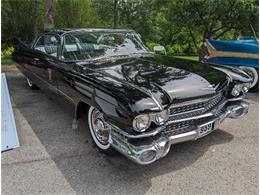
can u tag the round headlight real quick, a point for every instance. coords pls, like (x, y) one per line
(235, 92)
(141, 123)
(161, 117)
(246, 87)
(237, 89)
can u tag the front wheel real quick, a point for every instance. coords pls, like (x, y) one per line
(252, 72)
(99, 131)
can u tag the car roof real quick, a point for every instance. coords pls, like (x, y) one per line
(69, 30)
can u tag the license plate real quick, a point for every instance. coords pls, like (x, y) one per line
(206, 129)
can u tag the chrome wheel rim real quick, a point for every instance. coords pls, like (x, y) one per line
(100, 130)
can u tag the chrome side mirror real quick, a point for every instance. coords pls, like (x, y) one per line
(159, 49)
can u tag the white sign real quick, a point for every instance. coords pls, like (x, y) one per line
(9, 138)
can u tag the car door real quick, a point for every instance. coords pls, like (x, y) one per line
(67, 73)
(44, 64)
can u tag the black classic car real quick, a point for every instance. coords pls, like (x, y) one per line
(136, 102)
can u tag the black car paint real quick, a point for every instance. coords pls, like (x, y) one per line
(121, 87)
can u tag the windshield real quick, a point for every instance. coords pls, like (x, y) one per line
(82, 45)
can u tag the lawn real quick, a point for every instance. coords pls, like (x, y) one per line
(7, 61)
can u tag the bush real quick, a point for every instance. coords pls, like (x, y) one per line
(7, 53)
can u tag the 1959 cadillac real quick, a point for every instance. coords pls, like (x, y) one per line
(136, 102)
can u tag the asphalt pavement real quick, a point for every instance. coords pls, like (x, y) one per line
(54, 159)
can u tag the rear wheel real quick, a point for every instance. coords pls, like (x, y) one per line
(253, 72)
(31, 84)
(99, 131)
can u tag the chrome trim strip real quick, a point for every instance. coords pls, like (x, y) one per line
(195, 110)
(156, 101)
(191, 118)
(142, 135)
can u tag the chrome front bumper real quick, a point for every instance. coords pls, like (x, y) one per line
(149, 151)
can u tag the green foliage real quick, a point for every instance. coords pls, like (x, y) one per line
(7, 52)
(17, 21)
(75, 14)
(181, 26)
(6, 56)
(203, 19)
(7, 61)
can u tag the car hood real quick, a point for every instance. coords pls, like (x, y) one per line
(153, 82)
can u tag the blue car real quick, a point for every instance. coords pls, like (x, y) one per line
(242, 53)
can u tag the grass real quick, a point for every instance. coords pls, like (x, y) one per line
(193, 58)
(7, 61)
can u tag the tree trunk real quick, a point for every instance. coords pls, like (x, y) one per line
(193, 39)
(49, 15)
(115, 19)
(36, 14)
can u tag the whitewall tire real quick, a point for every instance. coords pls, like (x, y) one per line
(99, 132)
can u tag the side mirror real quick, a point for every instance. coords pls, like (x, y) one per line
(54, 40)
(159, 49)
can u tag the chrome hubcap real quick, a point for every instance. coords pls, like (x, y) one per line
(100, 129)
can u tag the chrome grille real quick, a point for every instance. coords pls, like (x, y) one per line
(186, 110)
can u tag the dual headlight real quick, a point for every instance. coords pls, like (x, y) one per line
(238, 88)
(143, 122)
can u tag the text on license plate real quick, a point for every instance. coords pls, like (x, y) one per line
(205, 129)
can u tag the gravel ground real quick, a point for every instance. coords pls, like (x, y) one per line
(53, 158)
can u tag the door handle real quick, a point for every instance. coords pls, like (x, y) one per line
(36, 59)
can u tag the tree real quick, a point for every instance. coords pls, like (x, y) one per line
(181, 26)
(76, 14)
(212, 19)
(18, 20)
(36, 16)
(115, 20)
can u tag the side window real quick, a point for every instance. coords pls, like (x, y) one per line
(47, 44)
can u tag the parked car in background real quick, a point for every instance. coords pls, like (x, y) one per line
(135, 102)
(242, 53)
